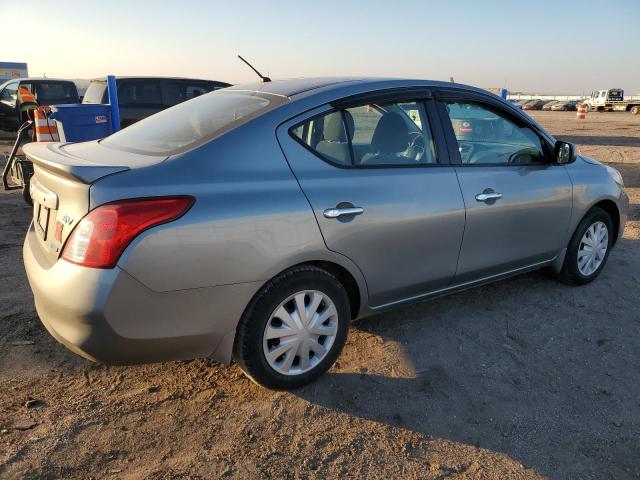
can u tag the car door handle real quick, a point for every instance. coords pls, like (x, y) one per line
(341, 212)
(485, 197)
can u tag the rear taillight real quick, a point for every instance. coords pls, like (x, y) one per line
(101, 237)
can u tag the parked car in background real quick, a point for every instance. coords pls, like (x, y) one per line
(257, 221)
(568, 105)
(47, 91)
(516, 103)
(549, 104)
(522, 102)
(533, 105)
(139, 97)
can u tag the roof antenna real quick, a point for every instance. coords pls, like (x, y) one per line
(262, 77)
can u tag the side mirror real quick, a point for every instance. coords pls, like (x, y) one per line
(564, 153)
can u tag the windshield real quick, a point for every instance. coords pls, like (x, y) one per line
(193, 122)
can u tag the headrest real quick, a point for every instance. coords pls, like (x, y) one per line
(334, 129)
(391, 134)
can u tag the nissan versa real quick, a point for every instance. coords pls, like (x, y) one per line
(254, 223)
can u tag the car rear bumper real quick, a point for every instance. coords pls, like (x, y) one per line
(106, 315)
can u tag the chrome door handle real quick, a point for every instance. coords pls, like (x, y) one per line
(339, 212)
(483, 197)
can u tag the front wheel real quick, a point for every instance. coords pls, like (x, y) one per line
(588, 249)
(294, 329)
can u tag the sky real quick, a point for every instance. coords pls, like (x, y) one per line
(559, 46)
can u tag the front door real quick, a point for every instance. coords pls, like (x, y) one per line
(518, 202)
(381, 192)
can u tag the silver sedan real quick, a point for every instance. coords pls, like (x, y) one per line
(255, 222)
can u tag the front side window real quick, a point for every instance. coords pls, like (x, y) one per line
(379, 134)
(10, 94)
(193, 122)
(487, 137)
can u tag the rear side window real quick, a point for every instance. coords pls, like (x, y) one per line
(193, 122)
(50, 93)
(384, 134)
(181, 91)
(140, 93)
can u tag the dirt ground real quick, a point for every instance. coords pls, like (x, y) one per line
(522, 379)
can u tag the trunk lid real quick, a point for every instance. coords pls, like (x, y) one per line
(63, 175)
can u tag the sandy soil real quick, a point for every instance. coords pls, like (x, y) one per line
(522, 379)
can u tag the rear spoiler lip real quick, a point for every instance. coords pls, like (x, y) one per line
(51, 157)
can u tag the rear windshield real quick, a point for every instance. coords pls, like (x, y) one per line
(193, 122)
(95, 92)
(50, 93)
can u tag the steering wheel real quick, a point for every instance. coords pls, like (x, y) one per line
(521, 156)
(416, 147)
(466, 150)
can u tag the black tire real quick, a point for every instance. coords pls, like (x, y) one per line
(248, 348)
(635, 110)
(570, 273)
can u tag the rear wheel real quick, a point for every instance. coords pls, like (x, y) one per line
(588, 249)
(294, 329)
(635, 110)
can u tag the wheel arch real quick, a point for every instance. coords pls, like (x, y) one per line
(611, 208)
(353, 283)
(347, 280)
(350, 278)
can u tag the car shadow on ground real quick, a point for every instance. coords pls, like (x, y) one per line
(531, 368)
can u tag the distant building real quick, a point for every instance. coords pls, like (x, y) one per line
(9, 70)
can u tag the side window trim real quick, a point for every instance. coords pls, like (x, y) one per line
(452, 142)
(442, 154)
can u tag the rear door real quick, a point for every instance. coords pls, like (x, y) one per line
(518, 202)
(377, 177)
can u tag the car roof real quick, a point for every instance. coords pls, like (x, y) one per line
(37, 79)
(295, 87)
(143, 77)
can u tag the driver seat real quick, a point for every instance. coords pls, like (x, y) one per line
(390, 138)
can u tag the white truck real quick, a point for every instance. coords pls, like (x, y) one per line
(612, 99)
